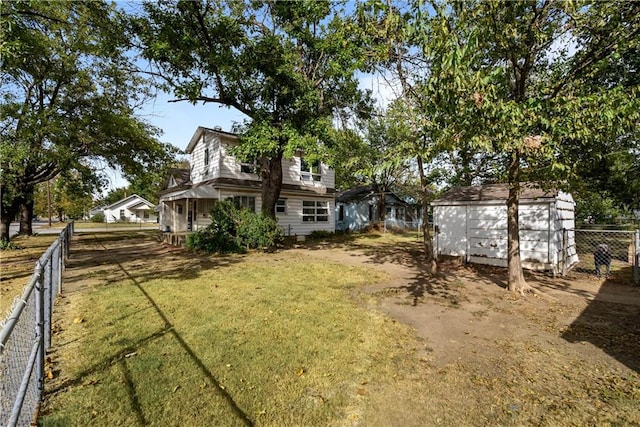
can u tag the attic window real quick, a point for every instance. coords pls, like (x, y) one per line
(310, 171)
(206, 156)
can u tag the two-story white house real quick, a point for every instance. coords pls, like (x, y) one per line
(306, 200)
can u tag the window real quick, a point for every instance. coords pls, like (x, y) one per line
(310, 171)
(122, 217)
(146, 215)
(315, 211)
(247, 202)
(206, 157)
(179, 209)
(341, 213)
(281, 206)
(249, 167)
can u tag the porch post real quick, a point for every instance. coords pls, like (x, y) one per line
(186, 216)
(173, 216)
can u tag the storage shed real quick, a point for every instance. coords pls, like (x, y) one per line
(471, 222)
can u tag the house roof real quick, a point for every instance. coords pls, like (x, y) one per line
(363, 192)
(134, 198)
(494, 192)
(201, 129)
(180, 176)
(358, 193)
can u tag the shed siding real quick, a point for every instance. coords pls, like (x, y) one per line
(478, 231)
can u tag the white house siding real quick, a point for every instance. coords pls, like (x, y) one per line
(112, 212)
(200, 172)
(479, 232)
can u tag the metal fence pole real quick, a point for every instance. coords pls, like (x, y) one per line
(636, 257)
(565, 243)
(40, 324)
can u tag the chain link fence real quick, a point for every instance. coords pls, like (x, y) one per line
(609, 252)
(26, 335)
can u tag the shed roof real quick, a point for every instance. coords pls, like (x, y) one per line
(494, 192)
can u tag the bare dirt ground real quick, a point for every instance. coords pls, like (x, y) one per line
(576, 349)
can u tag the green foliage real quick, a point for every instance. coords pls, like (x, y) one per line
(99, 217)
(321, 234)
(6, 245)
(235, 230)
(67, 97)
(288, 66)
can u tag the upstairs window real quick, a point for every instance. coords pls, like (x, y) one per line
(310, 171)
(206, 157)
(315, 211)
(250, 167)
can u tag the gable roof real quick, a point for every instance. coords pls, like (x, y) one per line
(134, 198)
(494, 192)
(177, 177)
(201, 130)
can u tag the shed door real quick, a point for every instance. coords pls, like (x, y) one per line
(452, 227)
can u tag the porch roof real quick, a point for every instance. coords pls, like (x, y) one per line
(192, 193)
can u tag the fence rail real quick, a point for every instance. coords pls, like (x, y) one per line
(26, 335)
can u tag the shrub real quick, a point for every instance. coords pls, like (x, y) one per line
(321, 234)
(99, 217)
(234, 230)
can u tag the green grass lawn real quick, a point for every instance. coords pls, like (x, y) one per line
(240, 340)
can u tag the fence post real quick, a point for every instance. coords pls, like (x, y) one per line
(565, 243)
(636, 258)
(40, 325)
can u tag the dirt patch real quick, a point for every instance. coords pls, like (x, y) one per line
(526, 359)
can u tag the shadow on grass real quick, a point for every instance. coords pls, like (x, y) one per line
(408, 252)
(181, 266)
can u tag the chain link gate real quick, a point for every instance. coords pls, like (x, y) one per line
(621, 252)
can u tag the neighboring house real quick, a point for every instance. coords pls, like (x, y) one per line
(306, 200)
(358, 207)
(131, 209)
(471, 222)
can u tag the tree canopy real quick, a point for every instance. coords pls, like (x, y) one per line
(288, 66)
(68, 98)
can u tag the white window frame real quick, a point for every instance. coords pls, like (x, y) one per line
(315, 211)
(310, 171)
(245, 202)
(281, 206)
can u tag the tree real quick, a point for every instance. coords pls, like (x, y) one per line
(502, 79)
(68, 96)
(369, 155)
(288, 66)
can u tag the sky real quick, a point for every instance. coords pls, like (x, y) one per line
(179, 120)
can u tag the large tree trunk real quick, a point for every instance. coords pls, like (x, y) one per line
(271, 172)
(516, 282)
(26, 214)
(10, 209)
(426, 233)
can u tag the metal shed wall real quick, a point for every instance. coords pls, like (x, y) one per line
(477, 230)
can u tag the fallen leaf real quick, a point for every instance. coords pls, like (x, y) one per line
(301, 371)
(361, 391)
(78, 320)
(135, 353)
(176, 388)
